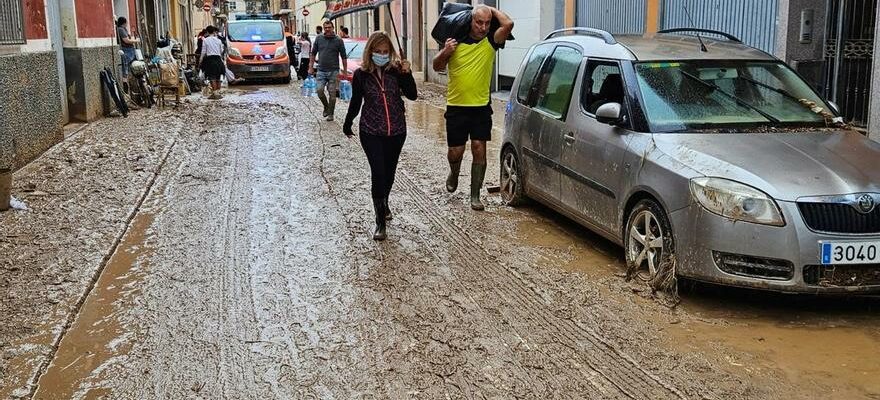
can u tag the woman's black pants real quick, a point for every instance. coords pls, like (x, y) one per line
(382, 154)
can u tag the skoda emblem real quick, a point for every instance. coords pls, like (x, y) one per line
(866, 203)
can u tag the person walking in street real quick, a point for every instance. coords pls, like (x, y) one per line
(305, 50)
(468, 103)
(319, 30)
(329, 48)
(211, 60)
(378, 85)
(344, 31)
(126, 45)
(290, 42)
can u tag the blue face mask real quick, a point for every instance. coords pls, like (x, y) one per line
(380, 59)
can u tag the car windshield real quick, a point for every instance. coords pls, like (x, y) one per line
(355, 50)
(255, 31)
(722, 94)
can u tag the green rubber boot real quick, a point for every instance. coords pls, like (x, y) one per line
(478, 172)
(452, 179)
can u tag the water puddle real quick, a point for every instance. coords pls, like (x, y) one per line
(818, 344)
(98, 336)
(576, 248)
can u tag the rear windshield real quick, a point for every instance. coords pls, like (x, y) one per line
(256, 31)
(716, 94)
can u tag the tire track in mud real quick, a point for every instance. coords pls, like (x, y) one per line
(612, 373)
(617, 371)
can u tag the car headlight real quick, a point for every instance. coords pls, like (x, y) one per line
(234, 53)
(736, 201)
(280, 51)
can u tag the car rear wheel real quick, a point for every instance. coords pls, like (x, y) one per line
(649, 243)
(511, 179)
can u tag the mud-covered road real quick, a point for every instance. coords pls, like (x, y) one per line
(223, 251)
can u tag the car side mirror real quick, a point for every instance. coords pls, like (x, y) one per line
(609, 113)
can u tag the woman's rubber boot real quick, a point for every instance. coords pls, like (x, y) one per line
(388, 215)
(379, 207)
(452, 179)
(478, 172)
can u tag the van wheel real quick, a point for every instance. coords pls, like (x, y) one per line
(650, 247)
(511, 179)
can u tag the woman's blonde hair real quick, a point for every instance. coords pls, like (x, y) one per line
(377, 38)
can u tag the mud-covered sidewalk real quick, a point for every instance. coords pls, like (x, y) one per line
(225, 252)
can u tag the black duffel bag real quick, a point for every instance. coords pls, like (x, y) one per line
(455, 22)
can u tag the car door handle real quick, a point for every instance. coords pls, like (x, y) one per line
(568, 138)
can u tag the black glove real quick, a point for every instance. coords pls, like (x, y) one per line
(346, 129)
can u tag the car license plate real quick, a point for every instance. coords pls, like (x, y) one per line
(260, 69)
(850, 253)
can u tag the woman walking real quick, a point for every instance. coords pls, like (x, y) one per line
(211, 60)
(378, 85)
(305, 48)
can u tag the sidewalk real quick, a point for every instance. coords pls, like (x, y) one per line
(80, 196)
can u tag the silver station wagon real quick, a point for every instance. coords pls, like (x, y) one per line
(701, 156)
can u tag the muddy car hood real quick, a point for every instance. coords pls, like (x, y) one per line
(784, 165)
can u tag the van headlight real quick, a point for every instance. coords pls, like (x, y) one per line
(234, 53)
(280, 51)
(736, 201)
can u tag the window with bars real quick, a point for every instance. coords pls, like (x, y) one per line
(11, 22)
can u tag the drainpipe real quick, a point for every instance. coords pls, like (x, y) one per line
(5, 188)
(405, 28)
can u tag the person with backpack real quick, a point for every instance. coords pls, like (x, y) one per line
(377, 90)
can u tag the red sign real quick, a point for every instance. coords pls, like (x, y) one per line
(207, 6)
(340, 8)
(305, 12)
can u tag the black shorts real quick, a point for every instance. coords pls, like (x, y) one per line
(213, 67)
(463, 123)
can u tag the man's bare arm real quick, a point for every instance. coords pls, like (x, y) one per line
(506, 27)
(442, 58)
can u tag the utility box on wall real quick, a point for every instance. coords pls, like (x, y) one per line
(806, 33)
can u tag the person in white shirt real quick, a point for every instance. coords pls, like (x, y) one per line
(305, 48)
(211, 60)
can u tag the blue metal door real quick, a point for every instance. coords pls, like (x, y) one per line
(753, 21)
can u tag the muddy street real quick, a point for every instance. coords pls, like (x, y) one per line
(225, 251)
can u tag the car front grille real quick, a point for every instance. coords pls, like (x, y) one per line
(857, 275)
(839, 218)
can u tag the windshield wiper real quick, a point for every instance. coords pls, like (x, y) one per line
(738, 100)
(352, 50)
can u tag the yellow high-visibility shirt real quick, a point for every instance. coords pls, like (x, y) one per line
(470, 74)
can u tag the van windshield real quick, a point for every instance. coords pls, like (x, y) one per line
(255, 31)
(717, 94)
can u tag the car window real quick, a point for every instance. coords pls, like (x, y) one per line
(604, 86)
(527, 77)
(355, 50)
(255, 31)
(556, 81)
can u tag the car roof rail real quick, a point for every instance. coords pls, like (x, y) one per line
(604, 35)
(714, 32)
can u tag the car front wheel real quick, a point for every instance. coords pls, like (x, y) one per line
(511, 179)
(650, 246)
